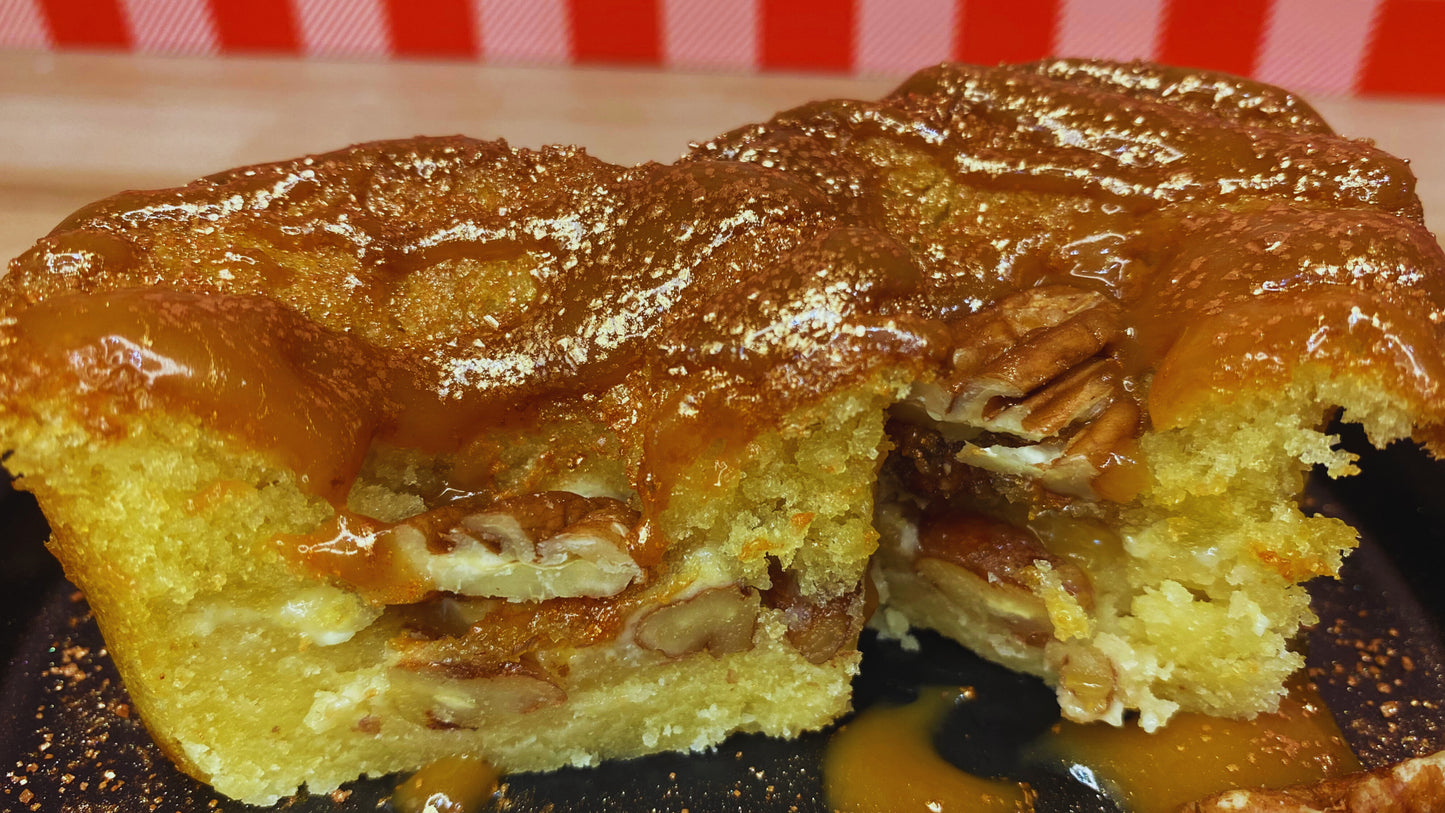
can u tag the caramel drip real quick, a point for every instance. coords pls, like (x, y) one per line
(357, 551)
(1195, 756)
(884, 759)
(448, 785)
(244, 364)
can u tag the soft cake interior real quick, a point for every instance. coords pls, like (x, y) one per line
(1186, 597)
(260, 678)
(1190, 593)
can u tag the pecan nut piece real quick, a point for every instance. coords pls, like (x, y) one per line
(1003, 571)
(1036, 387)
(820, 627)
(1412, 785)
(451, 703)
(530, 548)
(718, 620)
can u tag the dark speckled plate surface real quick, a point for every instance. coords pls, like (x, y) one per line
(69, 741)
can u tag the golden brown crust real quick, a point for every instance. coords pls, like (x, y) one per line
(1203, 205)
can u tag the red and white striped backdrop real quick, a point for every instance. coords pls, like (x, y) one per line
(1331, 46)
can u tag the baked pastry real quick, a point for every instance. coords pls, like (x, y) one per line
(1159, 286)
(441, 446)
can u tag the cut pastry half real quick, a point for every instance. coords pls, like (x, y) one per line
(442, 447)
(1160, 286)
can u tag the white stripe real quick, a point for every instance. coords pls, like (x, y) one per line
(172, 26)
(901, 36)
(1110, 29)
(342, 28)
(22, 25)
(1317, 44)
(532, 31)
(708, 34)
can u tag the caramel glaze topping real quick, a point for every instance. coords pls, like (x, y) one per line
(1237, 232)
(413, 292)
(473, 284)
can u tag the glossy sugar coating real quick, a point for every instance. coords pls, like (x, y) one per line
(1209, 207)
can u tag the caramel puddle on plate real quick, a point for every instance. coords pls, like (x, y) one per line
(1196, 756)
(448, 785)
(884, 760)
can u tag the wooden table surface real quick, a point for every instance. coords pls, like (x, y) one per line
(77, 127)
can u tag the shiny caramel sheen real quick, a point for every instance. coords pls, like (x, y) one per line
(1195, 755)
(413, 292)
(1239, 234)
(448, 785)
(885, 760)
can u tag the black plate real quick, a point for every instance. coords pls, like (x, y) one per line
(69, 741)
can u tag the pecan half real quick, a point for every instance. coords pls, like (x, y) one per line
(469, 702)
(1031, 377)
(1414, 785)
(999, 569)
(718, 620)
(529, 548)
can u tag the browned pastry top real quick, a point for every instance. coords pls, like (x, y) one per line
(1237, 232)
(1159, 236)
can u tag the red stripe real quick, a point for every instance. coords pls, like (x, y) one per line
(256, 25)
(431, 28)
(616, 31)
(1407, 55)
(807, 35)
(86, 23)
(1221, 35)
(992, 31)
